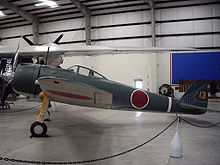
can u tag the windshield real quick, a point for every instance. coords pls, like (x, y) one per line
(85, 71)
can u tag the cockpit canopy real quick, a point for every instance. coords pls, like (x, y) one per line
(85, 71)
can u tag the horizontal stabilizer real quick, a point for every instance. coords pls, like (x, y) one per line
(196, 109)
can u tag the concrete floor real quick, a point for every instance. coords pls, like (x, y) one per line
(79, 133)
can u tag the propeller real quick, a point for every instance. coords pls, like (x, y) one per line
(48, 50)
(15, 58)
(58, 39)
(27, 40)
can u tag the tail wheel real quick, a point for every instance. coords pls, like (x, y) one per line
(38, 129)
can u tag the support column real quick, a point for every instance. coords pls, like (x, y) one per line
(87, 16)
(153, 25)
(88, 28)
(35, 27)
(151, 4)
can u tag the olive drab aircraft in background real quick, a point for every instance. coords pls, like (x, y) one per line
(9, 61)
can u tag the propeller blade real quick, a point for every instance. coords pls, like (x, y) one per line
(58, 39)
(15, 58)
(48, 50)
(28, 41)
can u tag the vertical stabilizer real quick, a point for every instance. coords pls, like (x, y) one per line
(197, 94)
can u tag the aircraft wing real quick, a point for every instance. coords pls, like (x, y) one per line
(69, 50)
(62, 90)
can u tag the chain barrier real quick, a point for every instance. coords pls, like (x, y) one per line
(91, 160)
(11, 111)
(200, 126)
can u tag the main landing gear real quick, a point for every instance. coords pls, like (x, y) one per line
(39, 128)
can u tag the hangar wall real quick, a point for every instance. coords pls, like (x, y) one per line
(177, 25)
(116, 68)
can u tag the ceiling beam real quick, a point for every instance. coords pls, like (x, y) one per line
(19, 11)
(87, 14)
(29, 17)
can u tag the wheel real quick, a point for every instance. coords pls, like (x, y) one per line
(38, 129)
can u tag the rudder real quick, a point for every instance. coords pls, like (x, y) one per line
(197, 94)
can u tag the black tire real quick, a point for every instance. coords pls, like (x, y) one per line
(38, 129)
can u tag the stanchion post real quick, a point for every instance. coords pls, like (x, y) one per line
(176, 144)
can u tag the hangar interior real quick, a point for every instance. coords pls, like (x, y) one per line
(183, 24)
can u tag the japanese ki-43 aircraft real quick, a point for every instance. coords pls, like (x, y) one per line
(82, 86)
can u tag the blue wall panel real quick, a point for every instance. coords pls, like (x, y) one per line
(197, 65)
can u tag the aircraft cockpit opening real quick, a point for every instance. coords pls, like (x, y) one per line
(86, 71)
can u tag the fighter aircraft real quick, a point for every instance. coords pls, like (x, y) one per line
(82, 86)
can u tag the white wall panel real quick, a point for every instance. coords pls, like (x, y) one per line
(185, 41)
(60, 25)
(185, 12)
(124, 31)
(146, 15)
(167, 14)
(103, 20)
(186, 27)
(105, 33)
(104, 43)
(216, 10)
(204, 41)
(146, 29)
(119, 18)
(216, 25)
(148, 43)
(17, 31)
(169, 28)
(203, 11)
(169, 42)
(203, 26)
(134, 17)
(217, 40)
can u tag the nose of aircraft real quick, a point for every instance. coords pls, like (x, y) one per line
(24, 79)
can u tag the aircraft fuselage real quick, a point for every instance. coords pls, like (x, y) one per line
(96, 91)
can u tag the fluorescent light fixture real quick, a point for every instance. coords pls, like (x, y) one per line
(2, 14)
(49, 3)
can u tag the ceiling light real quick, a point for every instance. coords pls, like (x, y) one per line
(2, 14)
(49, 3)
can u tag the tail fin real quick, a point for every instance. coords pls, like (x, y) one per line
(197, 94)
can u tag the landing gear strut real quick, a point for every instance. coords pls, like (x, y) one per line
(39, 128)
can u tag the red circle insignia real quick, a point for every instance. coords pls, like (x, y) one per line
(139, 99)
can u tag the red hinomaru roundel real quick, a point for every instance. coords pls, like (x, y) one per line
(139, 99)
